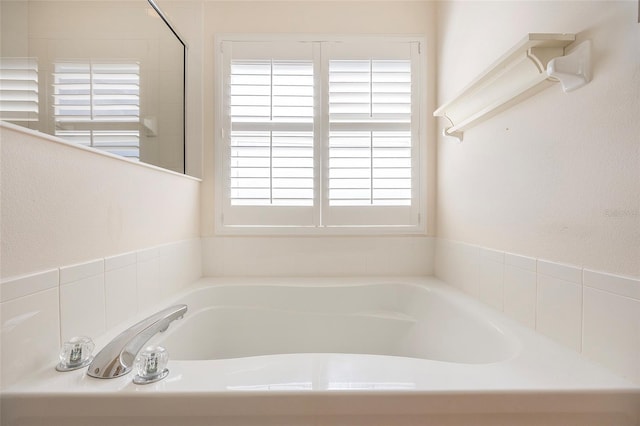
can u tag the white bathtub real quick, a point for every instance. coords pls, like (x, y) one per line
(391, 319)
(401, 351)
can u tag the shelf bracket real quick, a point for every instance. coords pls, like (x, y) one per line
(450, 131)
(574, 69)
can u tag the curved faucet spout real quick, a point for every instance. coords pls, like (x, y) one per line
(116, 359)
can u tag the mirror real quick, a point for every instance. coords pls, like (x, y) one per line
(105, 74)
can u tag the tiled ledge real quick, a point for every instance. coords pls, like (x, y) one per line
(594, 313)
(39, 311)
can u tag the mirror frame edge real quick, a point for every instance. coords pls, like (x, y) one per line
(169, 25)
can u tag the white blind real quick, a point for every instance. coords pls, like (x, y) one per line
(370, 144)
(319, 134)
(97, 92)
(271, 141)
(98, 105)
(125, 143)
(18, 89)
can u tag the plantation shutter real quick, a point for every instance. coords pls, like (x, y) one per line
(322, 134)
(98, 105)
(18, 89)
(270, 90)
(372, 154)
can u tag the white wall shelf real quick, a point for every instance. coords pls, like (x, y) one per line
(518, 74)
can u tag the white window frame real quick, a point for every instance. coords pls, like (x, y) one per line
(419, 160)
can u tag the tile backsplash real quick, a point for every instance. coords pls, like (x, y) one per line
(318, 256)
(41, 310)
(519, 287)
(83, 307)
(594, 313)
(591, 312)
(559, 303)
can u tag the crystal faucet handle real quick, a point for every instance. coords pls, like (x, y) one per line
(75, 353)
(151, 365)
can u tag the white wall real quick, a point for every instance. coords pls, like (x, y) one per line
(61, 204)
(538, 208)
(557, 176)
(88, 240)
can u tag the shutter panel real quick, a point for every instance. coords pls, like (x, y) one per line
(370, 133)
(18, 89)
(116, 92)
(98, 105)
(268, 120)
(271, 109)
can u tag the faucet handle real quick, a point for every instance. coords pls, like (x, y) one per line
(75, 353)
(151, 365)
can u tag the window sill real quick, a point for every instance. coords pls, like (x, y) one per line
(306, 231)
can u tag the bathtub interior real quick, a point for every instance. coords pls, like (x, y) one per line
(386, 319)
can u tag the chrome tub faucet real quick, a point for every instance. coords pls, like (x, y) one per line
(117, 358)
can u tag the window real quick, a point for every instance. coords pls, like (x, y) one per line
(18, 89)
(319, 135)
(98, 105)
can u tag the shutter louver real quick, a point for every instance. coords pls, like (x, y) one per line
(98, 105)
(18, 89)
(271, 112)
(370, 133)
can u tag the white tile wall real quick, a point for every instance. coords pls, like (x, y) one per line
(468, 260)
(30, 334)
(179, 263)
(120, 261)
(612, 331)
(622, 286)
(562, 301)
(41, 310)
(29, 284)
(559, 304)
(491, 277)
(457, 264)
(82, 307)
(591, 312)
(317, 256)
(520, 289)
(120, 288)
(560, 271)
(148, 278)
(80, 271)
